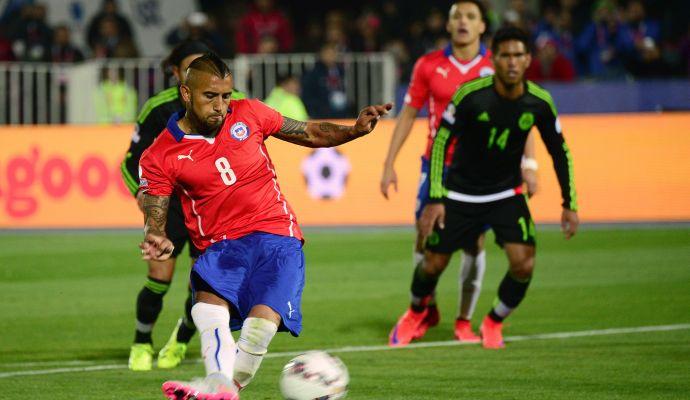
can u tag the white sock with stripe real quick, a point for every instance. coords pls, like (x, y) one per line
(470, 283)
(217, 345)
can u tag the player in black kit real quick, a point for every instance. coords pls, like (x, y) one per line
(490, 119)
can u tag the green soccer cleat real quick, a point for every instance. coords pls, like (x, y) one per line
(172, 354)
(141, 357)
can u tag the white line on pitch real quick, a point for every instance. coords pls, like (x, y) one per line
(348, 349)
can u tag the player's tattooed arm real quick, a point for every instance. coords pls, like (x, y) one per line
(327, 134)
(155, 214)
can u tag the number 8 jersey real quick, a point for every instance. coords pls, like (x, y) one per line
(227, 184)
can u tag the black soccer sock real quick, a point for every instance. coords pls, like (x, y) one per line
(423, 285)
(511, 291)
(187, 327)
(149, 305)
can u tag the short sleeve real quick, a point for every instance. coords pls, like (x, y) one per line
(418, 91)
(153, 179)
(268, 119)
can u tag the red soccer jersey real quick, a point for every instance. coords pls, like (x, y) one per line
(227, 184)
(436, 77)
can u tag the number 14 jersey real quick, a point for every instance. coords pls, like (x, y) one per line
(227, 184)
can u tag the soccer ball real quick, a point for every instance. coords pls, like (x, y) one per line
(314, 375)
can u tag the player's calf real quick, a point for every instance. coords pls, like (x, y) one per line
(252, 345)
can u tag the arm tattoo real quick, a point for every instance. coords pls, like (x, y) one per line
(293, 127)
(155, 213)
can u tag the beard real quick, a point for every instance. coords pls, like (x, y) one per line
(202, 125)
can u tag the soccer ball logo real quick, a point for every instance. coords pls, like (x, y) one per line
(314, 375)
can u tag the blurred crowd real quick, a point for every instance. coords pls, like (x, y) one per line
(573, 39)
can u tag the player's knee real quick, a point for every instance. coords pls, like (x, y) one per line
(435, 263)
(162, 270)
(523, 268)
(256, 335)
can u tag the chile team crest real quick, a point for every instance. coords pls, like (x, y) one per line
(239, 131)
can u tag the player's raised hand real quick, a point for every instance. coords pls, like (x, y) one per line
(156, 248)
(388, 178)
(369, 116)
(432, 215)
(569, 223)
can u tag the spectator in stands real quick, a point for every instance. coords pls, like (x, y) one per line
(323, 87)
(109, 11)
(198, 26)
(368, 35)
(646, 60)
(267, 45)
(260, 21)
(285, 99)
(30, 34)
(116, 101)
(548, 64)
(605, 43)
(519, 14)
(556, 23)
(6, 53)
(62, 49)
(111, 43)
(404, 63)
(684, 50)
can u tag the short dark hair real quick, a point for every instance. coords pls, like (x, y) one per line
(480, 6)
(212, 64)
(182, 51)
(507, 33)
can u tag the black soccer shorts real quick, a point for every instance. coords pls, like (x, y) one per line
(176, 230)
(509, 218)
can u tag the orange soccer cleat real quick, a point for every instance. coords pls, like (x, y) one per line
(408, 327)
(463, 332)
(492, 335)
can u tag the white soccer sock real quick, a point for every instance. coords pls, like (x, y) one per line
(217, 345)
(252, 345)
(470, 283)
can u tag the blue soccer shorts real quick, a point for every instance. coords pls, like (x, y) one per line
(259, 268)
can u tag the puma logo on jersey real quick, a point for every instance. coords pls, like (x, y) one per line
(183, 156)
(291, 310)
(443, 71)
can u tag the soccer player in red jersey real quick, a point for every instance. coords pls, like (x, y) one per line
(436, 76)
(251, 274)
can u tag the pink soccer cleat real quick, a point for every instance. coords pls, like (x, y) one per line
(214, 387)
(463, 332)
(492, 335)
(408, 327)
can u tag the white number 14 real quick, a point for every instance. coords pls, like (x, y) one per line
(226, 173)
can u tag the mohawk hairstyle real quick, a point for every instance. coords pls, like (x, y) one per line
(210, 63)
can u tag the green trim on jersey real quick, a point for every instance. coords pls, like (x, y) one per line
(130, 182)
(541, 93)
(472, 86)
(571, 178)
(158, 99)
(438, 152)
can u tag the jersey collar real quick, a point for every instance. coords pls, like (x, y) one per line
(449, 50)
(174, 128)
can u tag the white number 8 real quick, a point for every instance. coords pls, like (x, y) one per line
(226, 173)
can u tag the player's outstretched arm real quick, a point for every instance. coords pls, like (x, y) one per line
(400, 133)
(156, 246)
(326, 134)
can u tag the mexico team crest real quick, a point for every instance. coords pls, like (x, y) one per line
(239, 131)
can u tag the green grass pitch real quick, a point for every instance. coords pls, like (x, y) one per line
(67, 307)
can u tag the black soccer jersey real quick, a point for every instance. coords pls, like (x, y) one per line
(489, 134)
(151, 121)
